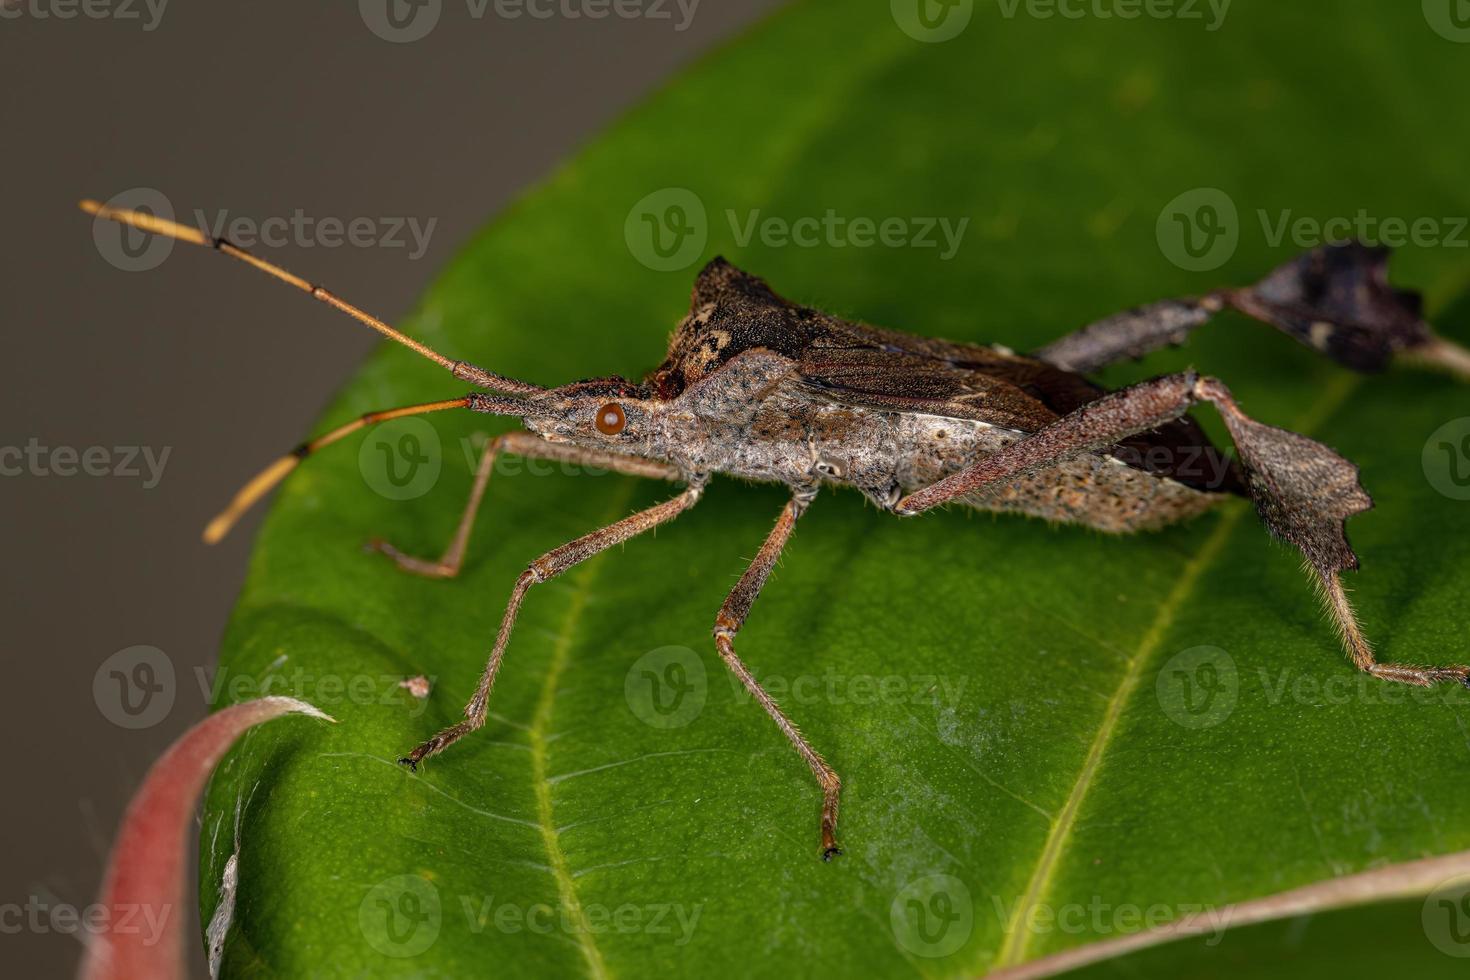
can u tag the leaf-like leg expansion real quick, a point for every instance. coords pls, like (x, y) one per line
(530, 446)
(727, 624)
(1303, 491)
(543, 569)
(1335, 299)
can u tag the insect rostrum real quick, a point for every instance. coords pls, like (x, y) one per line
(759, 387)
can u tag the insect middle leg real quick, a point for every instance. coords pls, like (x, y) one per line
(1303, 491)
(727, 624)
(530, 446)
(543, 569)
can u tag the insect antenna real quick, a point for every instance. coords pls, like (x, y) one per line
(155, 225)
(264, 481)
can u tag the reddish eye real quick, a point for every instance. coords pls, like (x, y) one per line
(610, 419)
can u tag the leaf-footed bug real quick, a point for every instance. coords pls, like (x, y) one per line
(758, 387)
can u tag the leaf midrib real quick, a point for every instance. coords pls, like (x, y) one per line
(540, 722)
(1017, 941)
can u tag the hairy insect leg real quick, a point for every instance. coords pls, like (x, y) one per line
(543, 569)
(266, 479)
(530, 446)
(1303, 491)
(1335, 299)
(727, 624)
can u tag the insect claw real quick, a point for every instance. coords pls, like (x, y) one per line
(830, 851)
(410, 762)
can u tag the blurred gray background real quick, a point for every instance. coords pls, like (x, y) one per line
(242, 110)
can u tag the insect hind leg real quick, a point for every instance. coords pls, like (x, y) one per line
(1303, 491)
(1335, 299)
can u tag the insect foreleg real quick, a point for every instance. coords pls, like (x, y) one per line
(543, 569)
(530, 446)
(727, 624)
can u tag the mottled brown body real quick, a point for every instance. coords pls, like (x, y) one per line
(764, 389)
(753, 419)
(757, 387)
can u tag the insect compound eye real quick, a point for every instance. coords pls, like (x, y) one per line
(611, 419)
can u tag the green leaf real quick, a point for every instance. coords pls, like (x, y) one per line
(989, 688)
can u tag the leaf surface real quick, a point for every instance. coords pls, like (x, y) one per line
(1005, 700)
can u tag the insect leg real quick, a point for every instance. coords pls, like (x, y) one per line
(727, 624)
(530, 446)
(1335, 299)
(543, 569)
(1303, 491)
